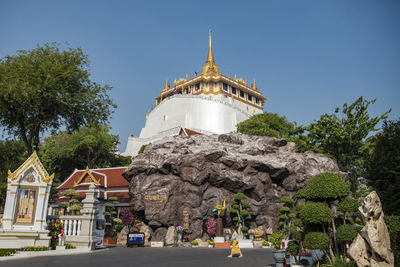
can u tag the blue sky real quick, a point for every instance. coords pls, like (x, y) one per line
(307, 57)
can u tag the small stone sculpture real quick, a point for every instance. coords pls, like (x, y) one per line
(259, 233)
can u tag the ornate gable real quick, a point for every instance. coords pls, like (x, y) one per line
(31, 171)
(87, 178)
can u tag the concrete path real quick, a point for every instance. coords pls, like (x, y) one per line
(149, 257)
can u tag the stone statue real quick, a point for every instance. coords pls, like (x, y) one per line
(259, 233)
(372, 246)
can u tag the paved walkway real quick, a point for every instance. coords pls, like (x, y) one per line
(149, 257)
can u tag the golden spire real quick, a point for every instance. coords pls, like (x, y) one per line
(210, 67)
(166, 85)
(254, 87)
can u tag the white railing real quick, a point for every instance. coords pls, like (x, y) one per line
(72, 223)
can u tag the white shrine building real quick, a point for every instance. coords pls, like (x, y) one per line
(209, 103)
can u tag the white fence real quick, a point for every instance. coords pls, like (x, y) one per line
(72, 223)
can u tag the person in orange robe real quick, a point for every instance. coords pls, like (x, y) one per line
(235, 251)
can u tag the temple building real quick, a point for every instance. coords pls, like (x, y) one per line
(209, 103)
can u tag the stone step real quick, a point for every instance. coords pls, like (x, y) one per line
(245, 244)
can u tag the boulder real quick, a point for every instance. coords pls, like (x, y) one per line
(372, 246)
(178, 180)
(122, 236)
(171, 237)
(147, 234)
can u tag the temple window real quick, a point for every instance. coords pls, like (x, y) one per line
(233, 90)
(225, 87)
(249, 97)
(197, 86)
(257, 101)
(241, 93)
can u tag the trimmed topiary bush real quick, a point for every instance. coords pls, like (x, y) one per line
(317, 240)
(346, 232)
(348, 205)
(326, 185)
(316, 212)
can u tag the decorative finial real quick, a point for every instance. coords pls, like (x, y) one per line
(210, 66)
(166, 84)
(254, 85)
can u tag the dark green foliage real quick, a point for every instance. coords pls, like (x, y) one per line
(4, 252)
(240, 213)
(293, 248)
(12, 155)
(297, 235)
(94, 147)
(393, 225)
(317, 240)
(111, 219)
(289, 202)
(342, 136)
(325, 186)
(46, 88)
(383, 167)
(348, 205)
(285, 209)
(316, 212)
(267, 124)
(346, 232)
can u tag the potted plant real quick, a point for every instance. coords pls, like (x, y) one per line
(265, 244)
(179, 230)
(278, 254)
(210, 243)
(194, 244)
(294, 249)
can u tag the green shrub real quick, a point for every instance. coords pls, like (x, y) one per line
(316, 212)
(393, 225)
(317, 240)
(293, 248)
(348, 205)
(346, 232)
(4, 252)
(265, 243)
(276, 239)
(326, 185)
(34, 248)
(69, 246)
(304, 262)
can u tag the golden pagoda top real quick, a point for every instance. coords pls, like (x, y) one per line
(210, 67)
(211, 81)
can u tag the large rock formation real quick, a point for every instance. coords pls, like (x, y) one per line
(372, 246)
(178, 180)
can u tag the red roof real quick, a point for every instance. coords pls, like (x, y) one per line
(188, 132)
(108, 178)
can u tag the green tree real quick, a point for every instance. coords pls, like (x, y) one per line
(342, 135)
(12, 155)
(72, 205)
(240, 213)
(112, 221)
(322, 190)
(89, 146)
(286, 216)
(383, 167)
(267, 124)
(45, 88)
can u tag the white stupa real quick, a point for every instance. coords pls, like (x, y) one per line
(209, 103)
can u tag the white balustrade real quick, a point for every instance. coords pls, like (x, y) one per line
(72, 226)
